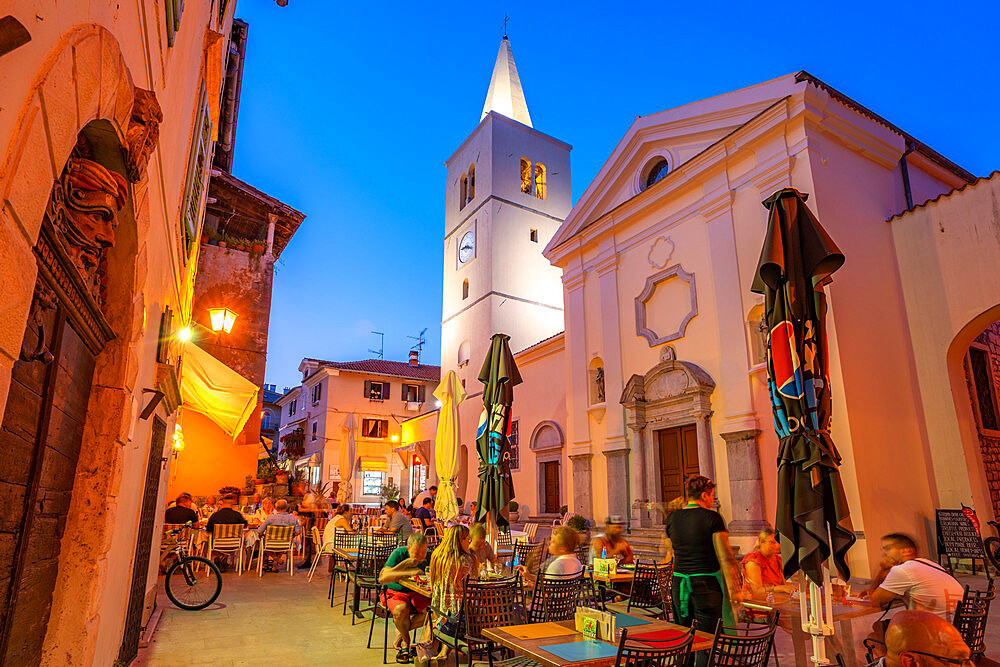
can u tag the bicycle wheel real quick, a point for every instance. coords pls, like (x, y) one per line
(190, 588)
(992, 547)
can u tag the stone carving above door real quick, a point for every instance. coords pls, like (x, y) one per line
(143, 133)
(668, 302)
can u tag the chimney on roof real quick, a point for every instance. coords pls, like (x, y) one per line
(414, 358)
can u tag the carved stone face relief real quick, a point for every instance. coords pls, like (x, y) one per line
(84, 212)
(143, 132)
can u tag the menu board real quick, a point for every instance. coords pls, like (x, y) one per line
(957, 537)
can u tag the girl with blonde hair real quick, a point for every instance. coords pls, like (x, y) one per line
(451, 562)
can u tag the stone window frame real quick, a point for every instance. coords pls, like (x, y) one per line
(652, 283)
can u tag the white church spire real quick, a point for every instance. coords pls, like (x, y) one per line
(505, 95)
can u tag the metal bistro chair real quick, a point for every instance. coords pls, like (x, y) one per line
(227, 538)
(529, 555)
(970, 620)
(741, 646)
(646, 593)
(277, 539)
(504, 541)
(555, 597)
(343, 541)
(371, 560)
(655, 653)
(383, 539)
(486, 604)
(590, 594)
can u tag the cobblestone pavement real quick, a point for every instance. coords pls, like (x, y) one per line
(288, 621)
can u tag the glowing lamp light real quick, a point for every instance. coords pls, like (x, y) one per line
(184, 335)
(222, 319)
(395, 438)
(178, 438)
(437, 404)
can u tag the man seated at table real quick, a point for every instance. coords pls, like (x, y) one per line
(396, 521)
(253, 505)
(920, 583)
(480, 548)
(224, 515)
(281, 517)
(182, 512)
(563, 563)
(917, 638)
(208, 508)
(425, 513)
(611, 543)
(407, 607)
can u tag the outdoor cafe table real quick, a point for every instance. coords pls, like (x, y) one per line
(843, 640)
(534, 648)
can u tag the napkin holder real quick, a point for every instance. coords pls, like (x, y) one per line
(605, 566)
(605, 622)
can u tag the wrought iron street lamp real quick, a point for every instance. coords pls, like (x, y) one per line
(222, 319)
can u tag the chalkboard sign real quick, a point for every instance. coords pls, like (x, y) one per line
(957, 537)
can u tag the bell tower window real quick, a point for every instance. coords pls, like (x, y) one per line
(465, 289)
(472, 183)
(526, 176)
(463, 194)
(540, 180)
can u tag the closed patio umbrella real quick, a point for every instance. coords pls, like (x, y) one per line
(499, 376)
(813, 519)
(451, 393)
(345, 492)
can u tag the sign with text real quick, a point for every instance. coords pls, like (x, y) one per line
(957, 536)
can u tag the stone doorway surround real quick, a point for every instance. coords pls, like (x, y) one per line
(672, 393)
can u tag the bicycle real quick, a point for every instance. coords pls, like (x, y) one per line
(991, 545)
(185, 587)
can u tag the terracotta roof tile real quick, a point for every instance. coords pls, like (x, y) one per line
(946, 195)
(386, 367)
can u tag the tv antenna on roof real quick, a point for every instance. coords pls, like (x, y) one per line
(421, 341)
(381, 345)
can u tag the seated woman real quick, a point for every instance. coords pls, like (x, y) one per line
(265, 510)
(480, 548)
(562, 547)
(762, 572)
(451, 563)
(612, 544)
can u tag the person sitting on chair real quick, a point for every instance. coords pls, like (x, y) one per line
(407, 607)
(920, 583)
(425, 513)
(224, 515)
(480, 548)
(562, 547)
(611, 543)
(918, 638)
(281, 517)
(181, 512)
(762, 573)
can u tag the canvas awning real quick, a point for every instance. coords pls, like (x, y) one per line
(266, 446)
(311, 461)
(374, 463)
(217, 391)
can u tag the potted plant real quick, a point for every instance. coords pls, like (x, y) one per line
(297, 483)
(248, 485)
(512, 510)
(229, 491)
(281, 476)
(223, 240)
(579, 524)
(389, 492)
(258, 248)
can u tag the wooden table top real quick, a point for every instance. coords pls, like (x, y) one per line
(346, 554)
(619, 576)
(410, 584)
(534, 648)
(789, 606)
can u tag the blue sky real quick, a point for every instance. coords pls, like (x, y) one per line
(348, 111)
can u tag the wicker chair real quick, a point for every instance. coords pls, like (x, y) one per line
(227, 538)
(555, 597)
(646, 593)
(741, 646)
(672, 653)
(277, 539)
(371, 560)
(485, 604)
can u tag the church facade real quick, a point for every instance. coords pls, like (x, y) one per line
(647, 363)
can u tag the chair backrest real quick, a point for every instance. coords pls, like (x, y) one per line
(371, 559)
(645, 586)
(970, 620)
(317, 538)
(503, 539)
(583, 553)
(666, 653)
(383, 538)
(530, 529)
(491, 604)
(170, 541)
(664, 576)
(417, 524)
(345, 540)
(590, 595)
(555, 598)
(741, 646)
(279, 536)
(227, 535)
(529, 555)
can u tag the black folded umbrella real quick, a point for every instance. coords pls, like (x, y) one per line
(499, 376)
(796, 261)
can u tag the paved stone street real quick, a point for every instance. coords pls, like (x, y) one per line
(287, 620)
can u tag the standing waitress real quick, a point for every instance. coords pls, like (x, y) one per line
(704, 586)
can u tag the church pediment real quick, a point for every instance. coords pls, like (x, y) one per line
(677, 136)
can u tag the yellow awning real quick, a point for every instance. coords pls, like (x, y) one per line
(374, 463)
(217, 391)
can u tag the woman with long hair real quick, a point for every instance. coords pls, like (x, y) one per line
(451, 562)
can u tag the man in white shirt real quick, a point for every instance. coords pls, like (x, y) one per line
(429, 493)
(922, 638)
(920, 583)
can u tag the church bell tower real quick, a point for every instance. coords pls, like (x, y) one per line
(507, 192)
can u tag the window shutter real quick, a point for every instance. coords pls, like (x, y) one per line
(385, 391)
(319, 391)
(368, 388)
(384, 431)
(420, 393)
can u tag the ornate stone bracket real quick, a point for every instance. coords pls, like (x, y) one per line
(143, 133)
(674, 272)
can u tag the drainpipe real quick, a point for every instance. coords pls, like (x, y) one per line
(906, 175)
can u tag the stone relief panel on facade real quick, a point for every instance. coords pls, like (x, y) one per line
(660, 252)
(142, 134)
(667, 304)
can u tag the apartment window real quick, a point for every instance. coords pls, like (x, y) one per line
(194, 190)
(376, 391)
(317, 392)
(464, 193)
(314, 431)
(526, 176)
(375, 428)
(465, 289)
(173, 15)
(533, 235)
(292, 407)
(540, 190)
(373, 481)
(515, 446)
(982, 381)
(413, 393)
(265, 421)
